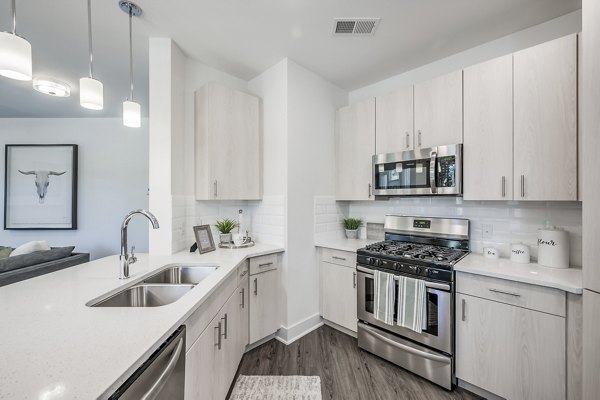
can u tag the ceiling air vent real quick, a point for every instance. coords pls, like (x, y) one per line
(355, 26)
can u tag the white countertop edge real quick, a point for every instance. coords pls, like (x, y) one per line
(350, 245)
(567, 279)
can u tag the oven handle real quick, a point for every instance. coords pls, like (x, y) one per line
(404, 347)
(428, 284)
(432, 171)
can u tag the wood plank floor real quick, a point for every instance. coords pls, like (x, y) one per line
(347, 372)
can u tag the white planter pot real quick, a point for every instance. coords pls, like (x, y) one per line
(352, 234)
(225, 238)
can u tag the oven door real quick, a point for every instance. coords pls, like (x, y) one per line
(440, 314)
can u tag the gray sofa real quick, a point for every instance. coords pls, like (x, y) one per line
(19, 268)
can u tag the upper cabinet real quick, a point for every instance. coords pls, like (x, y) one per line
(438, 111)
(355, 146)
(545, 121)
(394, 121)
(228, 151)
(488, 130)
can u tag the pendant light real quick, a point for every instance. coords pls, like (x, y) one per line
(91, 91)
(131, 110)
(15, 52)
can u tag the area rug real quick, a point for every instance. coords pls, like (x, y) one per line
(269, 387)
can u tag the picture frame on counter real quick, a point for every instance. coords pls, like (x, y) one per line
(204, 239)
(40, 186)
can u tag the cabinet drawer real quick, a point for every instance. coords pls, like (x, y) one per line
(339, 257)
(242, 272)
(534, 297)
(263, 264)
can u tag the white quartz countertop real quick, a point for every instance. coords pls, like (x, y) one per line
(344, 244)
(52, 346)
(568, 279)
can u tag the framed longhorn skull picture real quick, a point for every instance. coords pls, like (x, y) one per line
(40, 186)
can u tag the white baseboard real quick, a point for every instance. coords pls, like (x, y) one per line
(478, 391)
(288, 335)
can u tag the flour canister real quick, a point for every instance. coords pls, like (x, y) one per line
(553, 247)
(519, 253)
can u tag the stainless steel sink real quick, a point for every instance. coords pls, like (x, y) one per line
(146, 295)
(181, 274)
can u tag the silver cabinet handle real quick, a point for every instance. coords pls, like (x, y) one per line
(354, 279)
(255, 286)
(218, 328)
(504, 292)
(464, 309)
(158, 385)
(243, 293)
(369, 190)
(243, 274)
(216, 188)
(419, 138)
(265, 264)
(225, 319)
(523, 186)
(407, 140)
(503, 186)
(338, 258)
(432, 169)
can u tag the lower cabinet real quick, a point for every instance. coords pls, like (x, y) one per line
(511, 351)
(338, 294)
(264, 304)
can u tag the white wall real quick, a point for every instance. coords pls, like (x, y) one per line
(553, 29)
(113, 180)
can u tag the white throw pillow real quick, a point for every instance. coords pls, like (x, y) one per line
(30, 247)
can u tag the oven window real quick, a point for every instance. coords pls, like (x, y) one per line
(369, 295)
(402, 175)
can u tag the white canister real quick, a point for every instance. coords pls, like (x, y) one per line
(553, 247)
(520, 253)
(491, 253)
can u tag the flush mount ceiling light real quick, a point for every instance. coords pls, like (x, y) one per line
(131, 110)
(15, 52)
(91, 91)
(51, 87)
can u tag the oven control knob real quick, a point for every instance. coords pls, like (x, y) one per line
(397, 266)
(378, 263)
(369, 260)
(418, 270)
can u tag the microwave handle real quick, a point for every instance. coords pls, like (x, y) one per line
(432, 171)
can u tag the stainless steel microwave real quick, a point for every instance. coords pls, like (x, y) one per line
(422, 172)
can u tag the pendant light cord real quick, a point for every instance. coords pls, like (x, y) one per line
(130, 54)
(90, 38)
(14, 17)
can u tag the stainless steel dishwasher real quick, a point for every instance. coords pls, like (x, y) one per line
(162, 376)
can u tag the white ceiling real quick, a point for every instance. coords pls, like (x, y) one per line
(245, 37)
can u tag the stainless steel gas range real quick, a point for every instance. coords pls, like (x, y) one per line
(424, 249)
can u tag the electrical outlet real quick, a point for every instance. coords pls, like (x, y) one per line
(487, 231)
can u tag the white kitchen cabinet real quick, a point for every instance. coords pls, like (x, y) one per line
(355, 147)
(545, 121)
(394, 121)
(228, 144)
(264, 300)
(202, 363)
(511, 351)
(338, 294)
(488, 130)
(438, 111)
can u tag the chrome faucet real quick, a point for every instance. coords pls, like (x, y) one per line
(126, 259)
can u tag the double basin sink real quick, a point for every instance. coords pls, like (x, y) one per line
(164, 287)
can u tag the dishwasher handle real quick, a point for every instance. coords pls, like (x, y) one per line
(158, 385)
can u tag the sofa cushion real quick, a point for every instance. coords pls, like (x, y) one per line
(37, 257)
(5, 251)
(30, 247)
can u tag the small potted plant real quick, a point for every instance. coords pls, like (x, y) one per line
(351, 225)
(225, 227)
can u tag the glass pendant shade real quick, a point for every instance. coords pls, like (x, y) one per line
(132, 115)
(91, 94)
(15, 57)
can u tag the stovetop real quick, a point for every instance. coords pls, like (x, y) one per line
(407, 251)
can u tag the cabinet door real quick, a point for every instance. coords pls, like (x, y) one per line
(438, 111)
(244, 327)
(488, 130)
(338, 295)
(202, 381)
(545, 127)
(394, 121)
(591, 332)
(355, 147)
(230, 351)
(264, 305)
(510, 351)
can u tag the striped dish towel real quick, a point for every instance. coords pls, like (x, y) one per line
(384, 293)
(412, 303)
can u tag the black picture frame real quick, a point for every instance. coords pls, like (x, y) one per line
(204, 239)
(74, 178)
